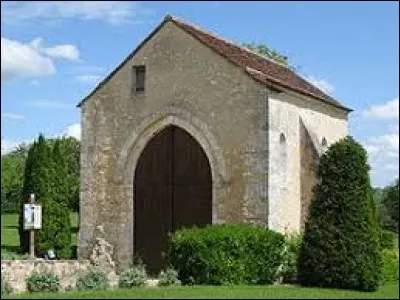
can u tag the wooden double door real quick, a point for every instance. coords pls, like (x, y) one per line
(173, 189)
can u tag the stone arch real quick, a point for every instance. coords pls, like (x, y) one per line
(151, 126)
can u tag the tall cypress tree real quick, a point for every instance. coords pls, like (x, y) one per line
(45, 176)
(58, 213)
(340, 246)
(37, 180)
(28, 188)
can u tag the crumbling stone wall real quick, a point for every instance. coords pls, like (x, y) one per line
(67, 270)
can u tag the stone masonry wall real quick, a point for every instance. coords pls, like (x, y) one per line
(68, 271)
(286, 177)
(17, 270)
(187, 85)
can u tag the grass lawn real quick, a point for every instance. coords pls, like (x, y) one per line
(390, 291)
(10, 237)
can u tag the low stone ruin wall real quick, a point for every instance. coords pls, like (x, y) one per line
(68, 271)
(18, 270)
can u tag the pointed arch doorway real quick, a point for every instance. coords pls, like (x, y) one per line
(173, 189)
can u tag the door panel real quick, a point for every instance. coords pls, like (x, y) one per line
(191, 183)
(153, 213)
(172, 190)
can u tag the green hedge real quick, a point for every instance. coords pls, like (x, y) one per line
(390, 271)
(226, 254)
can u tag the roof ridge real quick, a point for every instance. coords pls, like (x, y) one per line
(233, 43)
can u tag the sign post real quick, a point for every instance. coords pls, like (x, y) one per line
(32, 234)
(32, 221)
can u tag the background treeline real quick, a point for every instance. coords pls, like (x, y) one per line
(13, 168)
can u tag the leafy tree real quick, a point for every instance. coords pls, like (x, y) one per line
(13, 166)
(341, 239)
(266, 51)
(391, 203)
(12, 173)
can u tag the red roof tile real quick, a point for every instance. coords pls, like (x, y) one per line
(260, 68)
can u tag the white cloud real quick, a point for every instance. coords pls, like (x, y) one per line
(88, 78)
(12, 116)
(23, 60)
(383, 156)
(49, 104)
(322, 84)
(63, 51)
(31, 59)
(8, 145)
(73, 130)
(387, 110)
(113, 12)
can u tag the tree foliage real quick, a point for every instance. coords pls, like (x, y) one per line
(391, 203)
(69, 149)
(341, 239)
(387, 202)
(45, 176)
(268, 52)
(13, 166)
(12, 173)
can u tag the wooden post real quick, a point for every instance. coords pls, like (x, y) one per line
(32, 234)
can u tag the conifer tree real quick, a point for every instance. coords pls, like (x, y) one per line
(45, 177)
(340, 247)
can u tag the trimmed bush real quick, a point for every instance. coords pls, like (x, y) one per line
(92, 279)
(390, 260)
(387, 239)
(226, 254)
(168, 277)
(288, 270)
(340, 247)
(133, 276)
(5, 286)
(43, 280)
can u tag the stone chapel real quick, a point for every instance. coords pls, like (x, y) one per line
(192, 129)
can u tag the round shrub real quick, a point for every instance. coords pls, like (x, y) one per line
(341, 247)
(390, 270)
(92, 279)
(43, 280)
(226, 254)
(168, 277)
(133, 276)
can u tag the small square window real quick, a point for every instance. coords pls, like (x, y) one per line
(139, 74)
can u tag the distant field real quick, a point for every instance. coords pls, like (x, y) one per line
(10, 237)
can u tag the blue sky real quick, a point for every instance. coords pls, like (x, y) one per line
(54, 53)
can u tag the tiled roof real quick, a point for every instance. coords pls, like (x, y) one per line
(260, 68)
